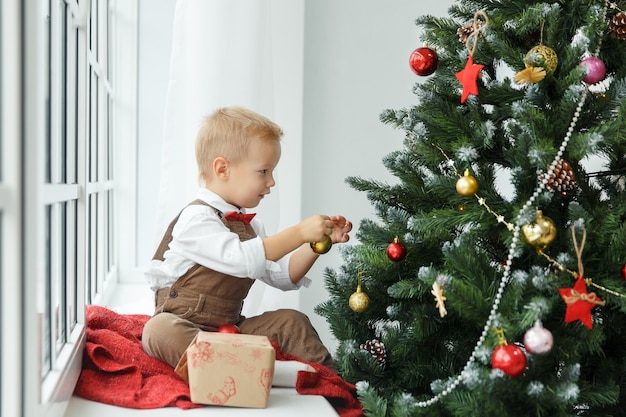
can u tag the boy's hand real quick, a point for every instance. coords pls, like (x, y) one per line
(341, 228)
(316, 228)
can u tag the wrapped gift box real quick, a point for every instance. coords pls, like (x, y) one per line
(229, 369)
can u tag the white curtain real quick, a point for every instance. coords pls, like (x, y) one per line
(224, 52)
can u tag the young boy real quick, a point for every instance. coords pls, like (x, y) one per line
(209, 257)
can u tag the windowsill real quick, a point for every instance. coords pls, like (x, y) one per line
(283, 402)
(138, 299)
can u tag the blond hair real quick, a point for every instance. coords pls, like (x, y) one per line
(227, 133)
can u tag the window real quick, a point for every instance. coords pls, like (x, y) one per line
(59, 207)
(10, 209)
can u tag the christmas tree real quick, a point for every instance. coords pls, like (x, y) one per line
(492, 282)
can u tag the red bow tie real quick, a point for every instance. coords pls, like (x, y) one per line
(235, 215)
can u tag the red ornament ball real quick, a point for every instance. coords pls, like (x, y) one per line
(424, 61)
(594, 70)
(509, 358)
(229, 328)
(396, 251)
(624, 271)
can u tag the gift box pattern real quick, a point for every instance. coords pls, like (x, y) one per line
(231, 370)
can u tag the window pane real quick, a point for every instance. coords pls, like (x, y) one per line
(62, 91)
(57, 131)
(71, 103)
(2, 354)
(43, 298)
(72, 265)
(110, 231)
(93, 260)
(48, 98)
(1, 142)
(93, 126)
(60, 277)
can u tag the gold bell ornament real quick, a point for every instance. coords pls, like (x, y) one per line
(540, 233)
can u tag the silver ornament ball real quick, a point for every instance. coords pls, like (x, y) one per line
(538, 340)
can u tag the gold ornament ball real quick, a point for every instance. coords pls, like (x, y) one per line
(540, 233)
(542, 56)
(467, 185)
(359, 301)
(322, 246)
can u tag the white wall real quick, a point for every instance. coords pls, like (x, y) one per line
(355, 64)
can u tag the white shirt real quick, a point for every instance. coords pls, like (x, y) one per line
(200, 237)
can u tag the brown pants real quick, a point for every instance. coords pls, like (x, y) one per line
(166, 336)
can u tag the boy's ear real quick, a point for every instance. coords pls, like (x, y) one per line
(220, 167)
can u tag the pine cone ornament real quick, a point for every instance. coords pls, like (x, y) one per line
(465, 31)
(562, 178)
(377, 349)
(617, 26)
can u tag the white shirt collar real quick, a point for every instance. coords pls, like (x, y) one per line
(216, 201)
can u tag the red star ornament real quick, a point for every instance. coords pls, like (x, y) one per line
(468, 77)
(579, 302)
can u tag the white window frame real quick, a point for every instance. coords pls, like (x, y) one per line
(10, 209)
(68, 86)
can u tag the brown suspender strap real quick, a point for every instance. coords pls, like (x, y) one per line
(167, 237)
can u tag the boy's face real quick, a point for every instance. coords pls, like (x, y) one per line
(251, 179)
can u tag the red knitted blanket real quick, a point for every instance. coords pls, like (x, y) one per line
(117, 371)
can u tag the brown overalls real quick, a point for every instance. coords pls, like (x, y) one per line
(204, 299)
